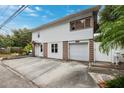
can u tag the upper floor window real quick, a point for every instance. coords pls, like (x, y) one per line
(80, 24)
(54, 48)
(38, 35)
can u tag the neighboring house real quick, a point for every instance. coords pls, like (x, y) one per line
(68, 38)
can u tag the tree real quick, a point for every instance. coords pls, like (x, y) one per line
(5, 41)
(21, 37)
(111, 26)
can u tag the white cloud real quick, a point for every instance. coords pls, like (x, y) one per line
(29, 10)
(44, 16)
(70, 11)
(38, 8)
(25, 26)
(32, 14)
(49, 13)
(5, 6)
(9, 8)
(14, 7)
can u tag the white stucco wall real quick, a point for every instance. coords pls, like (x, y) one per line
(58, 55)
(99, 56)
(62, 33)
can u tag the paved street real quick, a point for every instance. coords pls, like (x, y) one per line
(50, 72)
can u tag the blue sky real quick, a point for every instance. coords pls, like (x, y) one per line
(35, 15)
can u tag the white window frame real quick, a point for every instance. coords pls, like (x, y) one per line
(54, 48)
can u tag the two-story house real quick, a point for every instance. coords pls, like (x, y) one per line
(68, 38)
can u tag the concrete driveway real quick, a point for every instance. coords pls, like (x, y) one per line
(8, 79)
(51, 73)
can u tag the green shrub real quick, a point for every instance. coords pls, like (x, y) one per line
(27, 48)
(115, 83)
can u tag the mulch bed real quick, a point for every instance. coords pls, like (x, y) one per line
(102, 84)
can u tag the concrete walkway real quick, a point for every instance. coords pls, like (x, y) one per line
(52, 73)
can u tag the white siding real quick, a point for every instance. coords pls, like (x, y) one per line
(99, 56)
(58, 55)
(62, 33)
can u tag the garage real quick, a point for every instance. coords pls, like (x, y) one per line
(79, 51)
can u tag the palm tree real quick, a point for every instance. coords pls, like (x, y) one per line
(111, 27)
